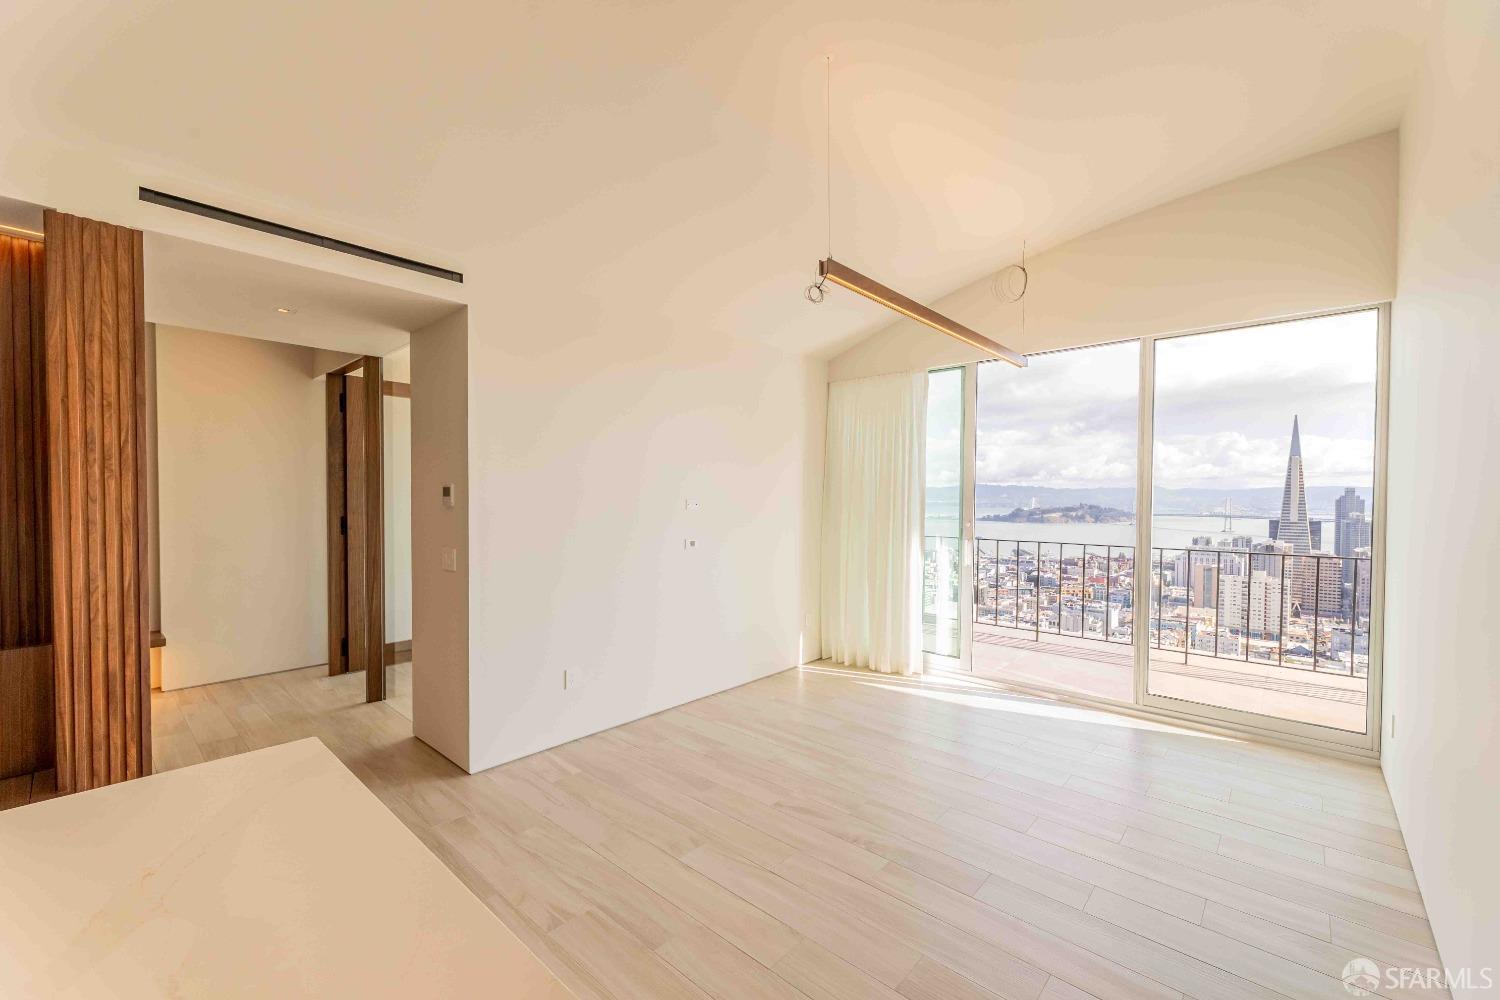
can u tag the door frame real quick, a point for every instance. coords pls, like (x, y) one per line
(356, 615)
(1366, 744)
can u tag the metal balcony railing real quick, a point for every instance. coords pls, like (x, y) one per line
(1307, 611)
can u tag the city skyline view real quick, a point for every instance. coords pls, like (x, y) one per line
(1263, 450)
(1063, 431)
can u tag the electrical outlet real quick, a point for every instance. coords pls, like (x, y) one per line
(690, 505)
(690, 543)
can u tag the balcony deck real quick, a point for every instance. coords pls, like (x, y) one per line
(1104, 670)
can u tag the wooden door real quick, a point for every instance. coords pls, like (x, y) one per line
(338, 591)
(357, 539)
(356, 535)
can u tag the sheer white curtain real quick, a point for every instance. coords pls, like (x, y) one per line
(872, 522)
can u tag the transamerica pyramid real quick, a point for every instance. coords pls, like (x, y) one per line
(1294, 530)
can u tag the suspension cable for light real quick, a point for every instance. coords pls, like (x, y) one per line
(841, 274)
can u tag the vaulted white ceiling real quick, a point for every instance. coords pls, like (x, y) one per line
(664, 160)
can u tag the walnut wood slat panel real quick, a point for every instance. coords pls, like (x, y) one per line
(25, 599)
(26, 682)
(95, 353)
(135, 519)
(25, 710)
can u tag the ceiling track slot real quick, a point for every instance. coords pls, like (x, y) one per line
(288, 232)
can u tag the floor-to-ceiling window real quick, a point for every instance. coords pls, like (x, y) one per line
(1263, 519)
(1230, 572)
(942, 543)
(1054, 520)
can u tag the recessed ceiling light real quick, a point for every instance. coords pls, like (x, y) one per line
(285, 311)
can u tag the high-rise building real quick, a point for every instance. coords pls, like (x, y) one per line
(1356, 542)
(1351, 532)
(1314, 589)
(1360, 584)
(1202, 583)
(1292, 525)
(1345, 509)
(1254, 605)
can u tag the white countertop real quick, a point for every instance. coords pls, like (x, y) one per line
(269, 874)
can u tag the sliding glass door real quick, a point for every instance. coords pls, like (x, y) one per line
(1264, 519)
(1187, 523)
(942, 543)
(1054, 520)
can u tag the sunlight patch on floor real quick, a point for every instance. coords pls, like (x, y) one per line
(1018, 705)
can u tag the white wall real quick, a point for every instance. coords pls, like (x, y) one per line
(1442, 671)
(1316, 233)
(585, 450)
(240, 445)
(440, 599)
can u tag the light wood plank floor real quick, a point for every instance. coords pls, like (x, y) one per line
(832, 834)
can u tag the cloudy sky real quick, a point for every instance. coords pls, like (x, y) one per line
(1224, 407)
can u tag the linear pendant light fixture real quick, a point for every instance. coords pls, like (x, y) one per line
(831, 270)
(841, 274)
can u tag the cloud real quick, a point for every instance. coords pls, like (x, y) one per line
(1231, 459)
(1222, 414)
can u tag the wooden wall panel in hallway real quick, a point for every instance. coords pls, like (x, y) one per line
(95, 354)
(26, 711)
(25, 616)
(26, 740)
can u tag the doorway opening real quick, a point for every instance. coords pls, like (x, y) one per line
(369, 525)
(285, 451)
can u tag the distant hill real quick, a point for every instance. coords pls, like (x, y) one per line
(1255, 501)
(1079, 513)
